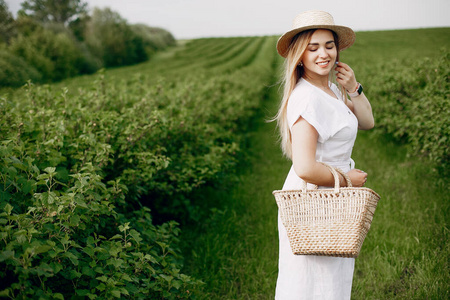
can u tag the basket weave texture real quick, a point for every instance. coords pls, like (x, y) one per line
(329, 222)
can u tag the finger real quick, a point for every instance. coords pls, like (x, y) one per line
(341, 75)
(344, 66)
(342, 70)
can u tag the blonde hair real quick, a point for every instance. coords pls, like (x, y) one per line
(291, 75)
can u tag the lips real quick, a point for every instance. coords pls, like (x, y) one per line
(323, 64)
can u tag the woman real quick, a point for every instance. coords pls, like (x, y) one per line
(318, 123)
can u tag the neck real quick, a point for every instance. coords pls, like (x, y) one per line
(319, 81)
(322, 84)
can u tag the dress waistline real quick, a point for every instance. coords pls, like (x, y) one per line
(344, 165)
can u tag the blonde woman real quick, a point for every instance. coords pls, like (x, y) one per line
(318, 123)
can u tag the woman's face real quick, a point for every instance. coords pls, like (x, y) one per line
(320, 55)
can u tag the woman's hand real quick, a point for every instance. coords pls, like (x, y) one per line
(359, 105)
(346, 77)
(357, 177)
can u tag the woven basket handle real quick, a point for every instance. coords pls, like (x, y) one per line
(335, 172)
(347, 178)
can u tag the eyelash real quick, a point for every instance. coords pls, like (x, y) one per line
(312, 50)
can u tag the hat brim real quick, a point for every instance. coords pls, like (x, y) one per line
(345, 35)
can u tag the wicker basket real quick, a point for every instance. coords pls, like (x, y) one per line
(330, 222)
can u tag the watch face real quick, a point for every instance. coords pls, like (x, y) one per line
(360, 89)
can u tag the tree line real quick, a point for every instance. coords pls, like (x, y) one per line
(51, 40)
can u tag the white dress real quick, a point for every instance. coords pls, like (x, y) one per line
(306, 276)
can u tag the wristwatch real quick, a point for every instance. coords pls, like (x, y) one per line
(358, 91)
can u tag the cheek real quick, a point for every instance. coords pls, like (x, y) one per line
(335, 53)
(307, 57)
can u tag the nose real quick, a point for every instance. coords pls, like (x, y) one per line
(323, 52)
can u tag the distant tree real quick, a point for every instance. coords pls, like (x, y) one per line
(112, 40)
(7, 23)
(154, 38)
(54, 55)
(59, 11)
(26, 25)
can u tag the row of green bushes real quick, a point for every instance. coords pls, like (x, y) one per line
(412, 106)
(79, 172)
(45, 52)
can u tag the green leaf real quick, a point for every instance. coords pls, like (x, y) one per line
(75, 274)
(114, 251)
(90, 240)
(7, 254)
(51, 198)
(89, 251)
(71, 257)
(177, 284)
(42, 249)
(124, 227)
(50, 170)
(74, 220)
(136, 236)
(167, 277)
(8, 209)
(124, 291)
(126, 277)
(5, 293)
(91, 296)
(20, 236)
(56, 267)
(28, 186)
(117, 236)
(115, 293)
(81, 292)
(88, 271)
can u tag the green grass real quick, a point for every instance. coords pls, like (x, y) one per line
(235, 250)
(406, 253)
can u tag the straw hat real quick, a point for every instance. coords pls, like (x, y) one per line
(315, 19)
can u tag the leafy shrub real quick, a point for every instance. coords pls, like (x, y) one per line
(413, 105)
(85, 62)
(14, 71)
(61, 232)
(110, 39)
(67, 239)
(53, 55)
(154, 39)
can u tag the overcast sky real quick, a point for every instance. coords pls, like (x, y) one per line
(209, 18)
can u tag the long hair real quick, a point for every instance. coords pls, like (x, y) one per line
(291, 75)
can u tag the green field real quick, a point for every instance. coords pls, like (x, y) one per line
(93, 170)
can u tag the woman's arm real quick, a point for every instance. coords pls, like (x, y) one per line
(304, 143)
(360, 105)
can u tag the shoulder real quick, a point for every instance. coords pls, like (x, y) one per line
(307, 101)
(303, 95)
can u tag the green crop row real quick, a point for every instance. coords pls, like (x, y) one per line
(81, 170)
(412, 106)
